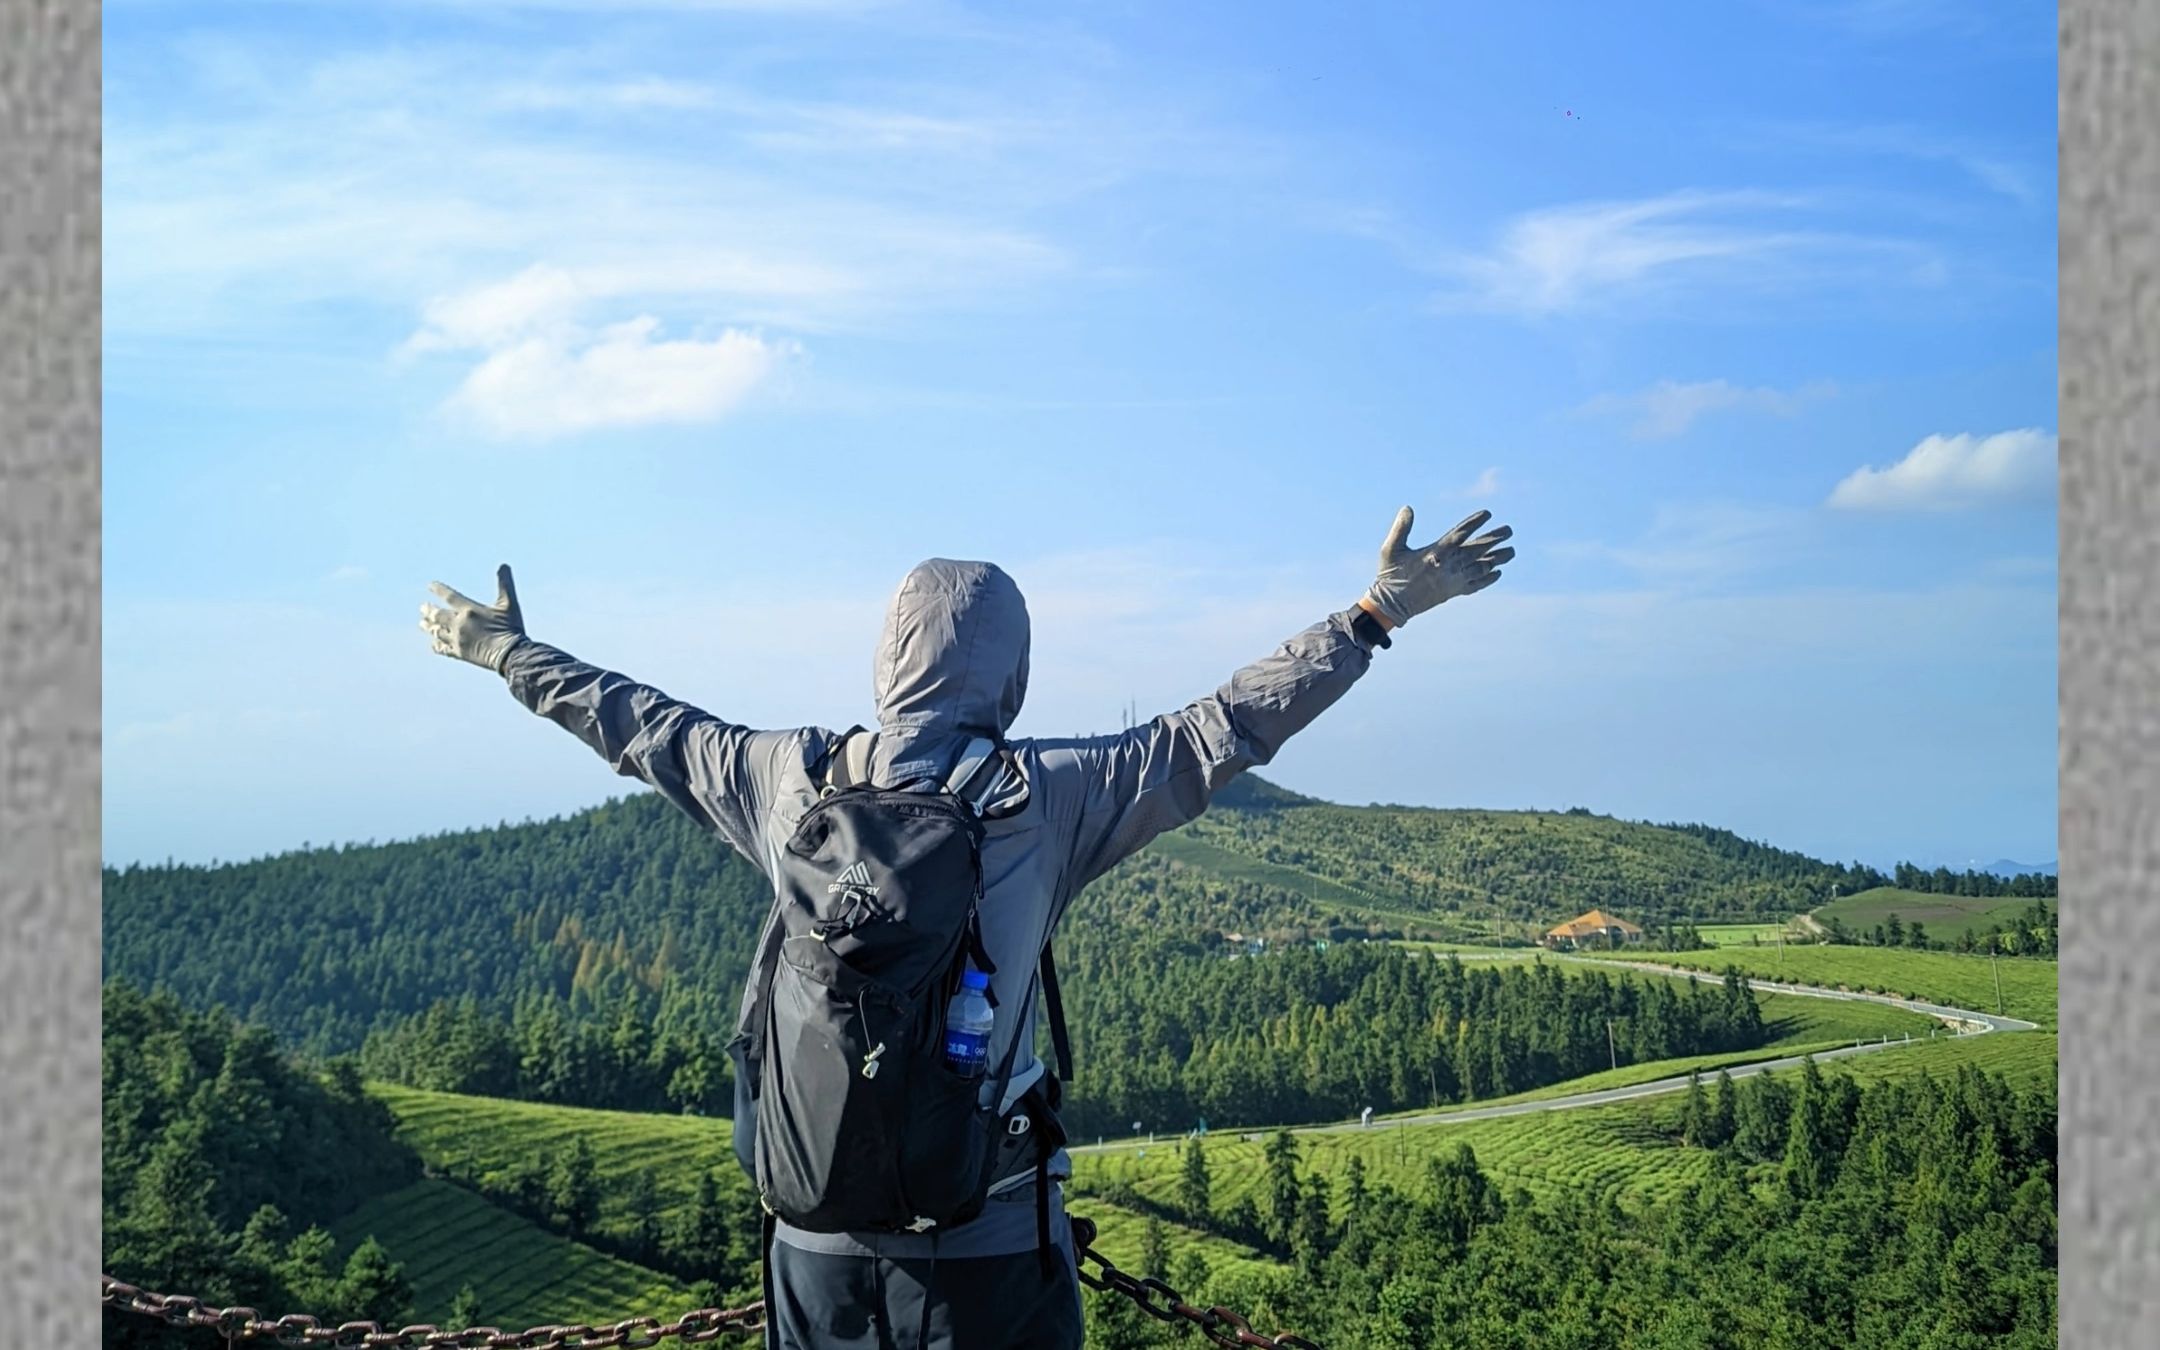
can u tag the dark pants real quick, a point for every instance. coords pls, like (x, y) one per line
(825, 1302)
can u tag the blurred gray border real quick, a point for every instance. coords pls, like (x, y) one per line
(2110, 670)
(49, 685)
(49, 675)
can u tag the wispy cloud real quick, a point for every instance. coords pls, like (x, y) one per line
(1668, 408)
(1487, 485)
(390, 178)
(1562, 258)
(1949, 473)
(1692, 544)
(1991, 168)
(349, 572)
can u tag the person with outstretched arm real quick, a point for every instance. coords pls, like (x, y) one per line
(950, 672)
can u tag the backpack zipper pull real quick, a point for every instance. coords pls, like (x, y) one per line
(870, 1061)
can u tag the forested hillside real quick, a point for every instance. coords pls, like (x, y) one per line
(1826, 1213)
(596, 960)
(323, 945)
(224, 1165)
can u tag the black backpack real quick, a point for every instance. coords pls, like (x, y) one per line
(859, 1123)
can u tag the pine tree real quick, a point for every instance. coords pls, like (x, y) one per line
(1154, 1248)
(1723, 1111)
(1808, 1158)
(574, 1187)
(1312, 1238)
(1195, 1186)
(1282, 1187)
(1695, 1114)
(641, 1202)
(1759, 1132)
(373, 1287)
(1355, 1197)
(464, 1310)
(701, 1240)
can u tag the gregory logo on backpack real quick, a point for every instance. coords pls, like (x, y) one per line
(856, 877)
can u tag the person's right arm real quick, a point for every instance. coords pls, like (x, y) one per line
(716, 771)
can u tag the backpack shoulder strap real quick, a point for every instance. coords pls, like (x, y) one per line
(975, 777)
(848, 765)
(1054, 1004)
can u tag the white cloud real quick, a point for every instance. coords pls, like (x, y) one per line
(1947, 473)
(1562, 258)
(543, 373)
(1668, 408)
(566, 381)
(348, 572)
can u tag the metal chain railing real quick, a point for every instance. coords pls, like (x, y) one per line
(237, 1324)
(1165, 1304)
(1156, 1299)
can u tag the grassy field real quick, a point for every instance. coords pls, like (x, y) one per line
(1739, 934)
(1217, 861)
(1117, 1236)
(1945, 915)
(525, 1276)
(486, 1134)
(2028, 986)
(1597, 1150)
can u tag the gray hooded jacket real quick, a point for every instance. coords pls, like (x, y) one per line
(952, 665)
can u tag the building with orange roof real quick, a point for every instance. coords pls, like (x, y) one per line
(1594, 929)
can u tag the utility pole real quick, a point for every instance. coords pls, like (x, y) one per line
(1610, 1052)
(1998, 984)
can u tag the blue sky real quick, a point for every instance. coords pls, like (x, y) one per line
(713, 318)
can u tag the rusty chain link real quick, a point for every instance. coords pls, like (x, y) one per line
(1156, 1298)
(1159, 1301)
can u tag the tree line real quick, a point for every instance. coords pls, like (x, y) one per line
(1164, 1032)
(1170, 1037)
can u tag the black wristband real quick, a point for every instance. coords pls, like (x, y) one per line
(1369, 630)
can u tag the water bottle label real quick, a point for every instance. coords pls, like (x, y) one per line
(965, 1051)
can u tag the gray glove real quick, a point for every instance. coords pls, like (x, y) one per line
(470, 631)
(1413, 580)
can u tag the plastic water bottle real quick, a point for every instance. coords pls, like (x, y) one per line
(967, 1024)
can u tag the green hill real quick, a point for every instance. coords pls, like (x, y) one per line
(1945, 916)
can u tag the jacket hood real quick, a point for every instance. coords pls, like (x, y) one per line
(952, 663)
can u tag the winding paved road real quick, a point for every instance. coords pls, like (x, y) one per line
(1964, 1021)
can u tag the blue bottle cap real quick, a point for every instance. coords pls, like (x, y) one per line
(972, 978)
